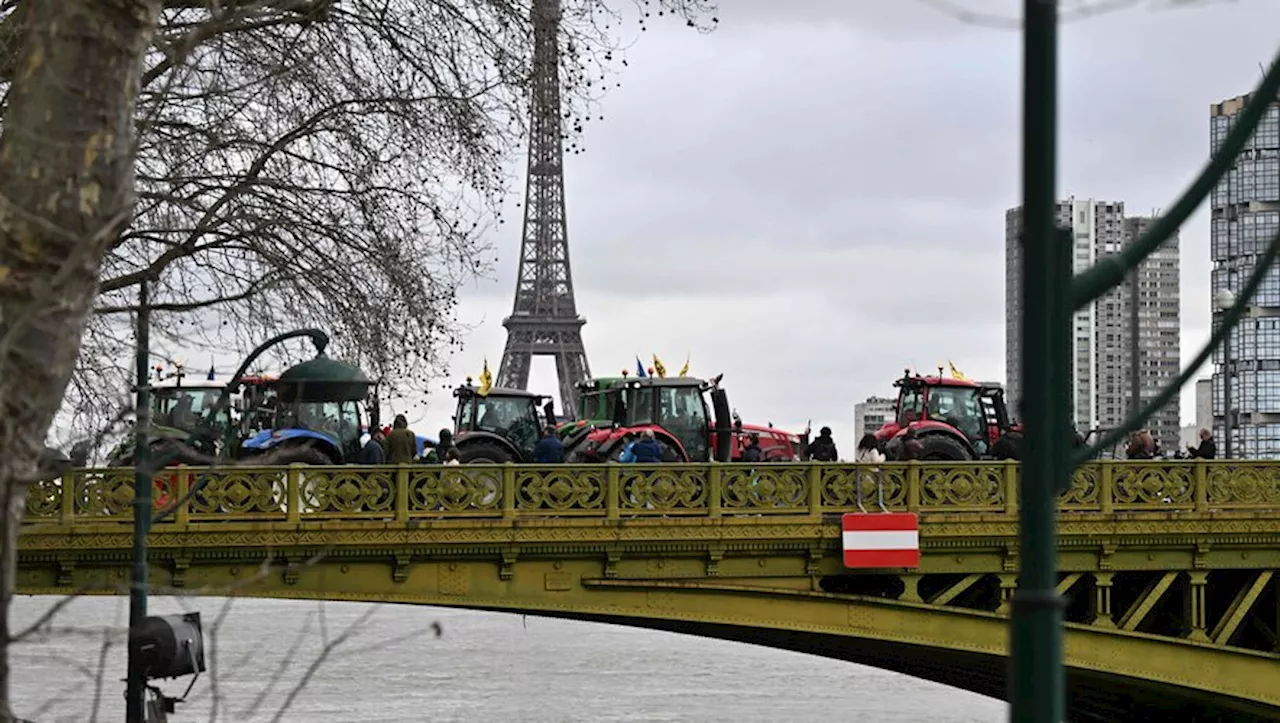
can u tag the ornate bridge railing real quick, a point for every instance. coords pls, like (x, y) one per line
(614, 491)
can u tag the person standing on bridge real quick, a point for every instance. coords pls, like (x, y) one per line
(372, 452)
(911, 446)
(646, 450)
(402, 444)
(1207, 449)
(549, 449)
(437, 454)
(868, 451)
(823, 449)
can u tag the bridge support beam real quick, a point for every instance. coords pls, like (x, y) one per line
(911, 588)
(1195, 606)
(1147, 601)
(1008, 586)
(1142, 607)
(1102, 600)
(1068, 582)
(956, 590)
(1230, 622)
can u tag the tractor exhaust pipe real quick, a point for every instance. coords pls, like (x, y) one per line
(724, 425)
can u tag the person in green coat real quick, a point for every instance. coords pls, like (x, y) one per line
(401, 445)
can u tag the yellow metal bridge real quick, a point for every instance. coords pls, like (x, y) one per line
(1168, 567)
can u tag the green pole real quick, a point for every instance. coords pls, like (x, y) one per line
(1036, 682)
(136, 690)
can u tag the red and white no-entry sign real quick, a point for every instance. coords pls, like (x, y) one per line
(881, 539)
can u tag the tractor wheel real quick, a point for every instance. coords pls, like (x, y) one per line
(306, 452)
(937, 447)
(301, 453)
(485, 453)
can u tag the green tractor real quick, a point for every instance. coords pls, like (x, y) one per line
(317, 410)
(501, 425)
(187, 413)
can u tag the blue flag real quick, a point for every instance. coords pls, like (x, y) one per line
(212, 376)
(640, 367)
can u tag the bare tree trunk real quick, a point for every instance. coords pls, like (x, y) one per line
(66, 191)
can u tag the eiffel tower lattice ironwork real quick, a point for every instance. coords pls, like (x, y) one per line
(544, 319)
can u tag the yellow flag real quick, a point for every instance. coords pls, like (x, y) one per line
(956, 373)
(684, 370)
(657, 367)
(486, 379)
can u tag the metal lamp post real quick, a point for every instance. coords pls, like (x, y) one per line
(1223, 301)
(145, 465)
(135, 692)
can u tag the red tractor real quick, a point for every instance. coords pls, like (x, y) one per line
(953, 419)
(677, 412)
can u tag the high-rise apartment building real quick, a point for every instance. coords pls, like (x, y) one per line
(870, 415)
(1245, 208)
(1102, 338)
(1204, 404)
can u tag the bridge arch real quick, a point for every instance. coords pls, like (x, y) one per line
(1112, 675)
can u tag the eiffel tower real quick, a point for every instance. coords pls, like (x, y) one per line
(544, 319)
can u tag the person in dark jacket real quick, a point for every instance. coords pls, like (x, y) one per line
(1207, 449)
(751, 449)
(401, 445)
(911, 446)
(372, 452)
(823, 449)
(646, 449)
(549, 449)
(440, 452)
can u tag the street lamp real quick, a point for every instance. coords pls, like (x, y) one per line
(1223, 301)
(145, 464)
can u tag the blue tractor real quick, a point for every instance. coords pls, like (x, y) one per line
(322, 405)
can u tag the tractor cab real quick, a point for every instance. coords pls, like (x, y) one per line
(186, 413)
(321, 403)
(676, 406)
(502, 425)
(954, 419)
(177, 410)
(677, 411)
(689, 417)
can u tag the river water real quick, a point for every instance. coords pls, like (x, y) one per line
(483, 667)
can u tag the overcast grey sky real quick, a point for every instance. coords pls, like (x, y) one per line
(812, 197)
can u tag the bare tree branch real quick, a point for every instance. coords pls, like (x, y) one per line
(263, 164)
(285, 661)
(309, 162)
(329, 647)
(101, 675)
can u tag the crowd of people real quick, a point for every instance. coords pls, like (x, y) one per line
(1142, 445)
(399, 445)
